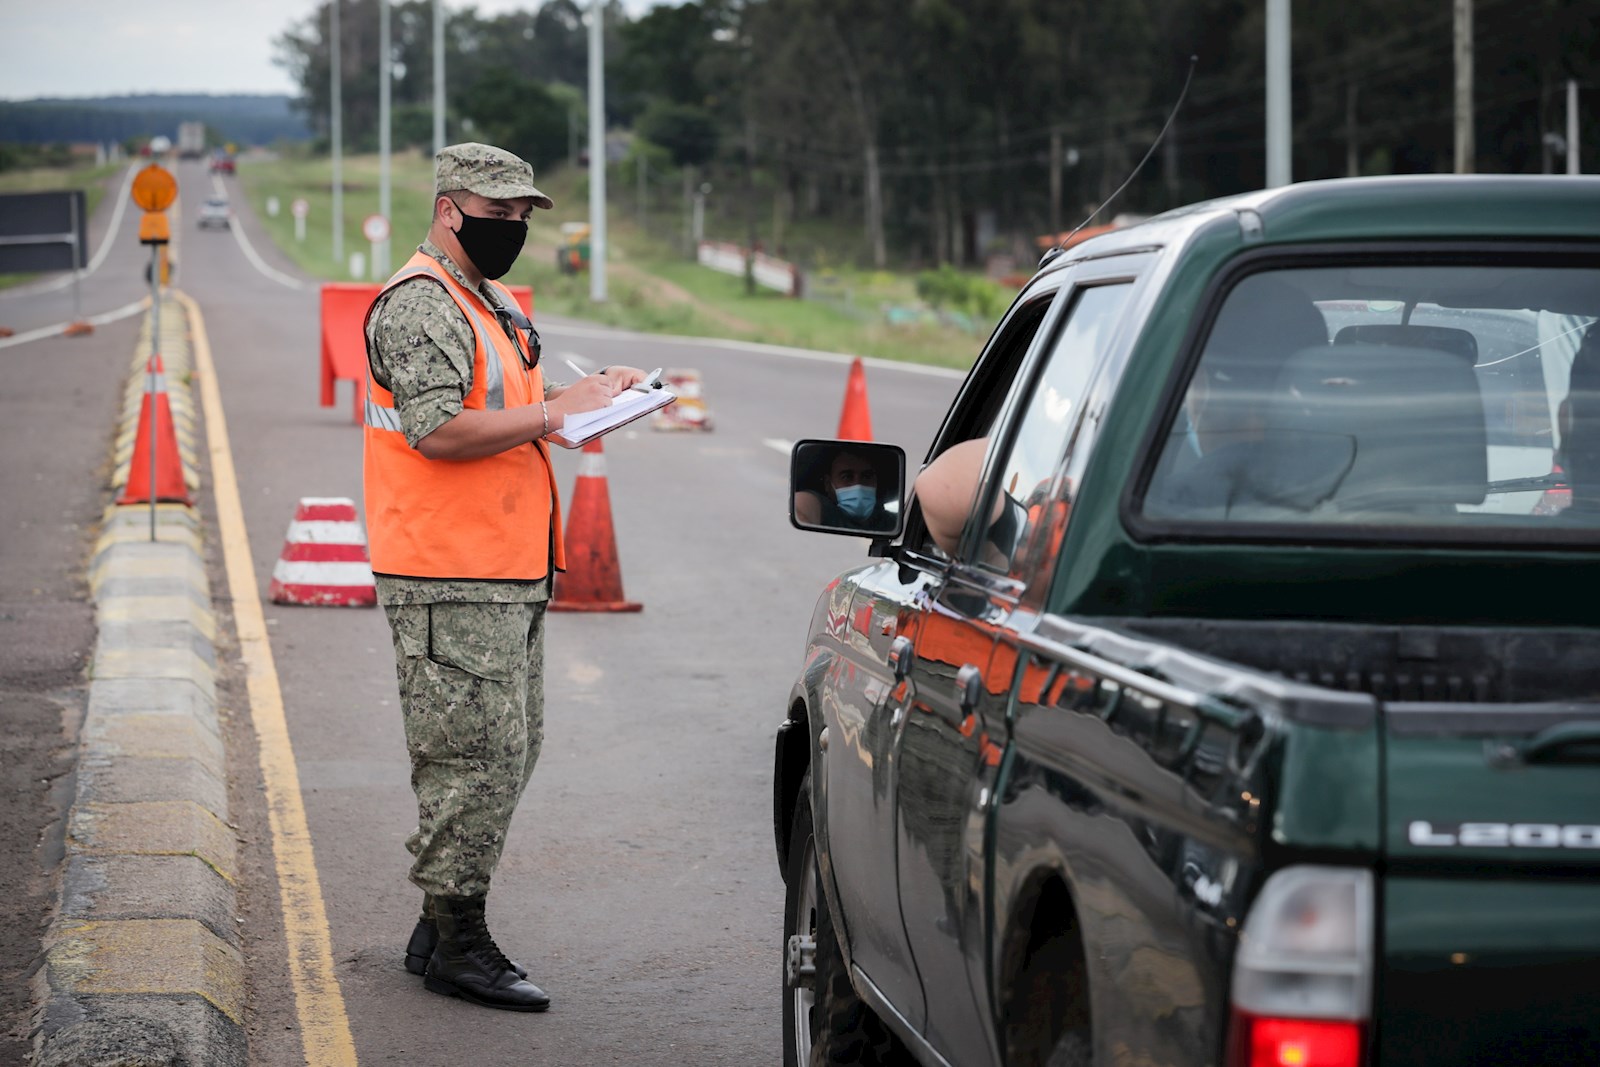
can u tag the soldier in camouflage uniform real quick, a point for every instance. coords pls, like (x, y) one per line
(469, 650)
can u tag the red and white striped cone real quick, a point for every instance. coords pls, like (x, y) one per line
(689, 411)
(324, 561)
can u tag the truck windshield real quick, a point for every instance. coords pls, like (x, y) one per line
(1417, 395)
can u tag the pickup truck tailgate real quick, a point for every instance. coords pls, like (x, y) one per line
(1490, 912)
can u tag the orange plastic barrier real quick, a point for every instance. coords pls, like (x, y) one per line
(344, 348)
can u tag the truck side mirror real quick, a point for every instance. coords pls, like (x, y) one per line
(848, 487)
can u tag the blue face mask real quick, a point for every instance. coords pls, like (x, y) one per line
(857, 501)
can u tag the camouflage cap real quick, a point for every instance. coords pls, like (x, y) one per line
(487, 171)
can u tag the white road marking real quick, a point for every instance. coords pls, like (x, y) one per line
(116, 225)
(249, 250)
(778, 444)
(61, 327)
(574, 330)
(583, 674)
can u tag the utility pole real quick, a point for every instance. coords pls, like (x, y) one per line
(1352, 150)
(641, 167)
(385, 76)
(1572, 126)
(1055, 182)
(1280, 156)
(438, 76)
(1466, 150)
(597, 152)
(336, 133)
(749, 205)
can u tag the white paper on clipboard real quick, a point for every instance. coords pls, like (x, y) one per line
(579, 429)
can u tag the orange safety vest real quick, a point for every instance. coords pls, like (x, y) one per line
(496, 517)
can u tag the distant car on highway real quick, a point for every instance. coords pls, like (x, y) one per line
(215, 212)
(222, 163)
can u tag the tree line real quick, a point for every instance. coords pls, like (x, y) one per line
(943, 130)
(130, 120)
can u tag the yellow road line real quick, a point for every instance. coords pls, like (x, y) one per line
(324, 1027)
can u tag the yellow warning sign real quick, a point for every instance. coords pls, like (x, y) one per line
(154, 228)
(154, 188)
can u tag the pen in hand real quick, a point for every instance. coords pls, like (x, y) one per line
(580, 370)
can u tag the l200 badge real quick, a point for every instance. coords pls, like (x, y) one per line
(1425, 834)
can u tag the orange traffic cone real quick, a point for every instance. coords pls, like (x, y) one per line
(168, 465)
(593, 578)
(855, 422)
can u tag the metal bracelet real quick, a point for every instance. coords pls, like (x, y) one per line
(544, 413)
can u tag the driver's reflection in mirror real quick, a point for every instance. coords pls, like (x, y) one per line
(846, 491)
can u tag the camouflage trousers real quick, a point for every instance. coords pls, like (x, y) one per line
(472, 695)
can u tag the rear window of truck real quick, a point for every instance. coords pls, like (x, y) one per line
(1403, 396)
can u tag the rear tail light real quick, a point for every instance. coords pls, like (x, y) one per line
(1556, 499)
(1259, 1042)
(1302, 978)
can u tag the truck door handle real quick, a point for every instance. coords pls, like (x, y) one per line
(969, 688)
(900, 658)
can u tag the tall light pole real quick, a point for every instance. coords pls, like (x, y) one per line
(1572, 126)
(1280, 157)
(438, 76)
(336, 132)
(1466, 149)
(380, 269)
(597, 152)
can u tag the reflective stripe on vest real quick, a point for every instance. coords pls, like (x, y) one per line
(494, 385)
(378, 416)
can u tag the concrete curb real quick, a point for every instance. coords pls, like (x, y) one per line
(142, 963)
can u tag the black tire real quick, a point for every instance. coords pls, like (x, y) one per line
(839, 1026)
(800, 872)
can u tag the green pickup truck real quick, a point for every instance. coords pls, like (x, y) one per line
(1253, 715)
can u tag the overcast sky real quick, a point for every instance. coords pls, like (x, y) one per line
(111, 47)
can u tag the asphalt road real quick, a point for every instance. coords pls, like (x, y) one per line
(58, 410)
(640, 883)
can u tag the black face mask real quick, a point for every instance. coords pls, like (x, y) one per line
(493, 245)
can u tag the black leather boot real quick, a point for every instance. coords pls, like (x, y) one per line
(467, 963)
(426, 935)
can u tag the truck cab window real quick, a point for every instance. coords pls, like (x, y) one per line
(1389, 396)
(1018, 500)
(944, 499)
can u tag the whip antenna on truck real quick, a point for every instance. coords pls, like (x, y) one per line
(1187, 78)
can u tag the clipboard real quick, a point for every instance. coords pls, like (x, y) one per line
(578, 430)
